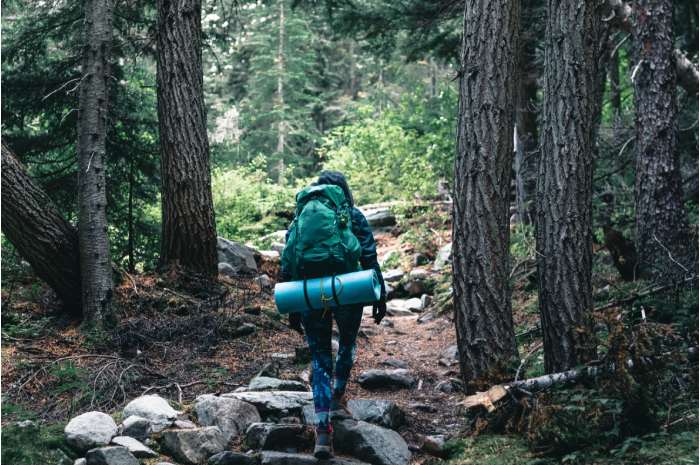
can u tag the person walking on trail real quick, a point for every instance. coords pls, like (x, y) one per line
(329, 236)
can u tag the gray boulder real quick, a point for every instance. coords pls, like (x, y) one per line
(112, 455)
(241, 258)
(80, 461)
(380, 412)
(393, 276)
(443, 258)
(274, 436)
(371, 443)
(135, 447)
(286, 458)
(378, 215)
(232, 416)
(397, 307)
(193, 446)
(414, 305)
(89, 430)
(394, 363)
(386, 379)
(278, 403)
(265, 383)
(153, 408)
(434, 445)
(136, 427)
(232, 458)
(308, 414)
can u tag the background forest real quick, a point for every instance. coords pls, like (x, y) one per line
(383, 91)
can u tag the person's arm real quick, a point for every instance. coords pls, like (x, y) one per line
(368, 258)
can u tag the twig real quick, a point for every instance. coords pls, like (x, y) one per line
(537, 347)
(670, 256)
(62, 86)
(182, 296)
(634, 71)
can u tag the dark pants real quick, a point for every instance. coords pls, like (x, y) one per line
(318, 327)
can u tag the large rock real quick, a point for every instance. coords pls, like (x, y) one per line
(414, 304)
(386, 379)
(380, 412)
(371, 443)
(286, 458)
(135, 447)
(265, 383)
(136, 427)
(417, 283)
(443, 258)
(239, 257)
(278, 436)
(278, 403)
(232, 416)
(397, 307)
(393, 276)
(89, 430)
(232, 458)
(153, 408)
(112, 455)
(378, 215)
(193, 446)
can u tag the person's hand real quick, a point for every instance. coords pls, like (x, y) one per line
(295, 322)
(379, 310)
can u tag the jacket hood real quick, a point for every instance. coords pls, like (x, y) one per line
(338, 179)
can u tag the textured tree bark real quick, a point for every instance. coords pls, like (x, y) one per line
(189, 232)
(95, 260)
(483, 164)
(31, 222)
(564, 238)
(688, 76)
(661, 219)
(281, 124)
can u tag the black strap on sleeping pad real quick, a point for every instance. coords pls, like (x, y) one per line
(306, 297)
(335, 295)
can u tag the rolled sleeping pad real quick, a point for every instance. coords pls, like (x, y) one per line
(359, 287)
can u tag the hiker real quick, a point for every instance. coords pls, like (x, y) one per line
(359, 243)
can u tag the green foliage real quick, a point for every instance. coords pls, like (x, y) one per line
(247, 204)
(492, 450)
(398, 153)
(522, 240)
(36, 444)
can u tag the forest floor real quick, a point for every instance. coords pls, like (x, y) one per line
(180, 338)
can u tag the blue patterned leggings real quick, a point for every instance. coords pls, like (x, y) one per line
(318, 327)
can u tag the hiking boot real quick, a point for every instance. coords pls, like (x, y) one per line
(339, 408)
(324, 439)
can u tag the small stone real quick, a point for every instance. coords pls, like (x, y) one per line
(393, 276)
(380, 412)
(193, 446)
(134, 446)
(184, 424)
(394, 363)
(231, 416)
(263, 281)
(425, 317)
(253, 310)
(232, 458)
(136, 427)
(419, 273)
(414, 305)
(398, 378)
(271, 369)
(422, 407)
(443, 258)
(244, 330)
(397, 307)
(271, 436)
(26, 424)
(89, 430)
(153, 408)
(426, 301)
(240, 258)
(111, 455)
(264, 383)
(387, 323)
(80, 461)
(376, 445)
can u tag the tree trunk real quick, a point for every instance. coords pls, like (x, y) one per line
(31, 222)
(95, 260)
(564, 238)
(131, 238)
(615, 89)
(661, 219)
(483, 164)
(189, 231)
(281, 124)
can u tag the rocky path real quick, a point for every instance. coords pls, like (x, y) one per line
(402, 399)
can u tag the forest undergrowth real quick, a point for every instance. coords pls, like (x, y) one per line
(180, 337)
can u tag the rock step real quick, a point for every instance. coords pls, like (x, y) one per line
(285, 458)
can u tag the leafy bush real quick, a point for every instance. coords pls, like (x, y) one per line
(35, 444)
(247, 204)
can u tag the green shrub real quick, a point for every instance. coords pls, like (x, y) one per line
(35, 444)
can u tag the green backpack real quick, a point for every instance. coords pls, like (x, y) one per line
(321, 242)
